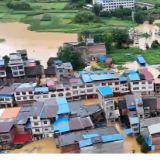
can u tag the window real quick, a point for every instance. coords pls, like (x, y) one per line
(46, 129)
(141, 116)
(136, 88)
(53, 95)
(36, 124)
(60, 70)
(30, 93)
(103, 84)
(75, 92)
(34, 117)
(24, 98)
(150, 87)
(90, 85)
(7, 99)
(133, 125)
(109, 83)
(17, 93)
(135, 83)
(90, 90)
(111, 108)
(149, 82)
(116, 83)
(2, 73)
(20, 67)
(31, 97)
(110, 114)
(96, 84)
(23, 93)
(18, 98)
(14, 68)
(143, 82)
(143, 87)
(37, 97)
(1, 99)
(21, 72)
(67, 89)
(45, 96)
(116, 89)
(74, 87)
(45, 122)
(81, 86)
(135, 129)
(82, 91)
(37, 130)
(15, 73)
(5, 137)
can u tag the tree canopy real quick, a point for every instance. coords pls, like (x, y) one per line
(85, 17)
(68, 54)
(150, 20)
(6, 59)
(18, 5)
(108, 40)
(139, 17)
(97, 8)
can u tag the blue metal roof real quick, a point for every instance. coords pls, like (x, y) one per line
(25, 109)
(1, 61)
(61, 100)
(133, 76)
(139, 101)
(128, 130)
(122, 78)
(41, 89)
(105, 90)
(102, 58)
(140, 59)
(84, 143)
(86, 78)
(57, 61)
(114, 137)
(86, 136)
(31, 60)
(19, 118)
(35, 108)
(85, 72)
(131, 107)
(134, 120)
(63, 108)
(96, 77)
(61, 124)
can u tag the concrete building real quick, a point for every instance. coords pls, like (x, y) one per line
(91, 141)
(105, 97)
(157, 86)
(2, 69)
(142, 82)
(25, 93)
(41, 93)
(16, 64)
(7, 96)
(115, 4)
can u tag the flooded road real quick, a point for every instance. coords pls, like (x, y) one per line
(39, 45)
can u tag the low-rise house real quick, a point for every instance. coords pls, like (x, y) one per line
(99, 140)
(2, 69)
(124, 85)
(34, 71)
(157, 86)
(141, 82)
(106, 100)
(41, 93)
(108, 61)
(7, 129)
(50, 72)
(6, 96)
(16, 64)
(51, 60)
(24, 93)
(24, 56)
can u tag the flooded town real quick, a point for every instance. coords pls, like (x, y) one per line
(79, 77)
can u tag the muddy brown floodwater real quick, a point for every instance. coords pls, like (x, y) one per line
(39, 45)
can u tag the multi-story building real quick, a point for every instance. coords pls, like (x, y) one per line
(24, 93)
(16, 64)
(6, 96)
(142, 82)
(24, 56)
(2, 69)
(115, 4)
(106, 100)
(157, 86)
(41, 93)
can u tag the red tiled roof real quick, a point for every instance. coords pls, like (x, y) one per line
(148, 75)
(50, 83)
(21, 138)
(73, 80)
(158, 102)
(32, 64)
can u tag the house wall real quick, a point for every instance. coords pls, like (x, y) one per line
(6, 99)
(41, 96)
(3, 74)
(17, 70)
(112, 5)
(142, 86)
(6, 137)
(70, 148)
(112, 147)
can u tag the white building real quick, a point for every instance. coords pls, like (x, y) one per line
(142, 82)
(106, 100)
(25, 92)
(115, 4)
(41, 93)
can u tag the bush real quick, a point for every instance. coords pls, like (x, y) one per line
(18, 5)
(144, 147)
(19, 146)
(46, 17)
(140, 139)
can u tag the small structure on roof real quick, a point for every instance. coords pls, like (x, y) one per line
(140, 60)
(108, 61)
(128, 55)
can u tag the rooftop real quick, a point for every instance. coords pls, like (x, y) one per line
(130, 100)
(134, 120)
(22, 118)
(133, 76)
(33, 70)
(26, 87)
(150, 102)
(67, 65)
(10, 113)
(157, 81)
(75, 137)
(105, 90)
(50, 71)
(41, 89)
(155, 128)
(6, 125)
(148, 75)
(149, 121)
(36, 109)
(7, 90)
(122, 78)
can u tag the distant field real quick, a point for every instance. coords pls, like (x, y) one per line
(149, 1)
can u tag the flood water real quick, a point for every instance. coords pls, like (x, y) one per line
(39, 45)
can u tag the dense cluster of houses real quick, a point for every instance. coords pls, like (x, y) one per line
(31, 110)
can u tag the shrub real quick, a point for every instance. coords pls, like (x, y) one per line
(144, 147)
(46, 17)
(18, 5)
(19, 146)
(140, 139)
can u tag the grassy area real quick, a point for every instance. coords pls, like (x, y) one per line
(149, 1)
(101, 64)
(121, 67)
(61, 19)
(157, 24)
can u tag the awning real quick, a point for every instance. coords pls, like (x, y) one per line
(21, 138)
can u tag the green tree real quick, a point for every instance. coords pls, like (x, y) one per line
(139, 17)
(105, 14)
(140, 139)
(108, 40)
(156, 6)
(120, 36)
(98, 38)
(144, 147)
(147, 46)
(85, 17)
(6, 59)
(155, 44)
(79, 39)
(37, 62)
(144, 8)
(68, 54)
(18, 5)
(97, 8)
(46, 17)
(150, 20)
